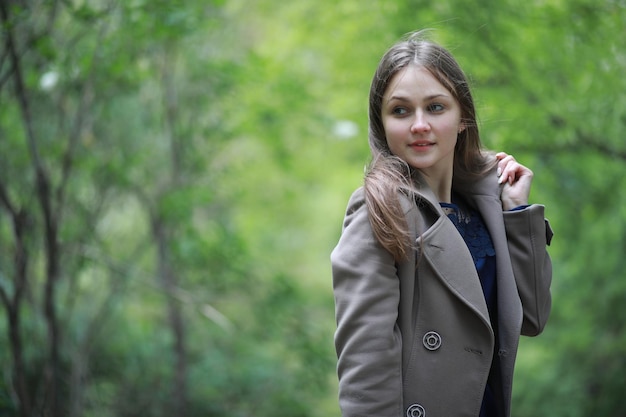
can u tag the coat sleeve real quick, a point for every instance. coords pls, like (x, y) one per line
(528, 235)
(367, 339)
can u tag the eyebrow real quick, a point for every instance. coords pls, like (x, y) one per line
(428, 98)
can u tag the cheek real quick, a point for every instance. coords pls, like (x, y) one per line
(451, 128)
(392, 128)
(387, 129)
(392, 134)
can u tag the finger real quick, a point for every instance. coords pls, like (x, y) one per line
(502, 155)
(504, 166)
(510, 172)
(515, 171)
(504, 160)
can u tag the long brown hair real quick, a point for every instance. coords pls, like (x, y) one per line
(388, 175)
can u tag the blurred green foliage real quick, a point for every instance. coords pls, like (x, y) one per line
(198, 156)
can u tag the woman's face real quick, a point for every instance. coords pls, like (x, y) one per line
(422, 120)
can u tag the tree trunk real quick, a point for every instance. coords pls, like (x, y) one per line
(50, 233)
(169, 284)
(13, 303)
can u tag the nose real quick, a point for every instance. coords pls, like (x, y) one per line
(420, 123)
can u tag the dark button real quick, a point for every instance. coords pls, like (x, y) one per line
(432, 340)
(415, 410)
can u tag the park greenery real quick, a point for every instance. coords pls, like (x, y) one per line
(173, 176)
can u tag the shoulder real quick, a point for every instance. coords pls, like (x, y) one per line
(356, 216)
(357, 198)
(357, 243)
(357, 201)
(356, 206)
(411, 204)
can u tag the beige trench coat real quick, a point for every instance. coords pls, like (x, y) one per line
(417, 341)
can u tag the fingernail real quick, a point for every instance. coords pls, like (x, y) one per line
(499, 172)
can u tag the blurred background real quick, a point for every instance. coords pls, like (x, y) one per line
(174, 174)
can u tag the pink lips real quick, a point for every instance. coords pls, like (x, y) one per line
(421, 145)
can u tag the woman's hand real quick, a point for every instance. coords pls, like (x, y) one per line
(516, 179)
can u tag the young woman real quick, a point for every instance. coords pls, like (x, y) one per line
(442, 263)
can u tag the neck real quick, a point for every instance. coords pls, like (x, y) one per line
(441, 186)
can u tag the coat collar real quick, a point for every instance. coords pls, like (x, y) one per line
(485, 188)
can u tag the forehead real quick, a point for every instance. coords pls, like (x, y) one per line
(415, 80)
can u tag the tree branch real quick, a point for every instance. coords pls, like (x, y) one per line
(582, 143)
(599, 146)
(74, 136)
(13, 303)
(44, 198)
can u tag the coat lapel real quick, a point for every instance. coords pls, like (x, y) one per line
(450, 259)
(484, 195)
(445, 250)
